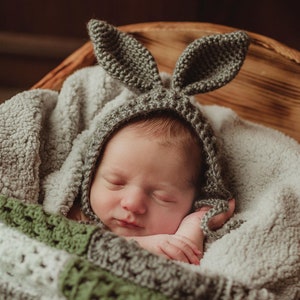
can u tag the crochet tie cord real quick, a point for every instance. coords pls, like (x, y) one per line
(49, 142)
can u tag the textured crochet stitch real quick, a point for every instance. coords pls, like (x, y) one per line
(91, 263)
(205, 65)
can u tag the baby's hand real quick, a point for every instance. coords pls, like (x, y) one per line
(171, 246)
(190, 228)
(190, 225)
(186, 244)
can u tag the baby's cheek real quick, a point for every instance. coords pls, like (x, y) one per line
(166, 224)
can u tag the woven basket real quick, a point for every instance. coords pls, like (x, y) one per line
(266, 91)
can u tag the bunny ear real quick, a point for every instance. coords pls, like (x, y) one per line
(210, 62)
(123, 57)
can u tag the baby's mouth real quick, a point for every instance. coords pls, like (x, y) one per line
(127, 224)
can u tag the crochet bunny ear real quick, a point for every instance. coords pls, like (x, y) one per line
(123, 57)
(210, 62)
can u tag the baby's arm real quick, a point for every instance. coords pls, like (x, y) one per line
(187, 243)
(171, 246)
(190, 225)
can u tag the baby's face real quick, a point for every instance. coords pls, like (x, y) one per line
(141, 186)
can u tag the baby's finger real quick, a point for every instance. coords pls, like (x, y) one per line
(192, 246)
(174, 252)
(179, 250)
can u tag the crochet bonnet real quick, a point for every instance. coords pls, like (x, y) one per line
(205, 65)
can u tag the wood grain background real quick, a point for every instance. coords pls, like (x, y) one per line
(266, 90)
(35, 36)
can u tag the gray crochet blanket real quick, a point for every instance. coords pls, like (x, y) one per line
(43, 255)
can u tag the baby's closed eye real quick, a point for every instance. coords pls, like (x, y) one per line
(163, 197)
(114, 183)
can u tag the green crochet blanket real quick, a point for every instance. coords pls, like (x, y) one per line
(93, 267)
(43, 255)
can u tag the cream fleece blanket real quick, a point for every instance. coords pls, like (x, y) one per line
(42, 146)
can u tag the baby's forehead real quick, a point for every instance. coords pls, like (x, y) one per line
(167, 134)
(166, 126)
(167, 130)
(182, 143)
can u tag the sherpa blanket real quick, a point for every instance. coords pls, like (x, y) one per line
(43, 255)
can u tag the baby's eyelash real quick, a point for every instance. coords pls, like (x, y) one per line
(162, 198)
(114, 183)
(119, 183)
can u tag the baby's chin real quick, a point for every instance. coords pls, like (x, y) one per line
(138, 232)
(125, 232)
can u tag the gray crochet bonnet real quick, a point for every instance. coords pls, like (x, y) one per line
(205, 65)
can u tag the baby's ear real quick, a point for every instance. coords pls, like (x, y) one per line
(123, 57)
(210, 62)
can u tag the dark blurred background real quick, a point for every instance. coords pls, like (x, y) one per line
(35, 36)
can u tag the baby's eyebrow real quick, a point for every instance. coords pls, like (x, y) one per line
(184, 183)
(111, 172)
(114, 173)
(112, 169)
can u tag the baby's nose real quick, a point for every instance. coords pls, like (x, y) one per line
(134, 201)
